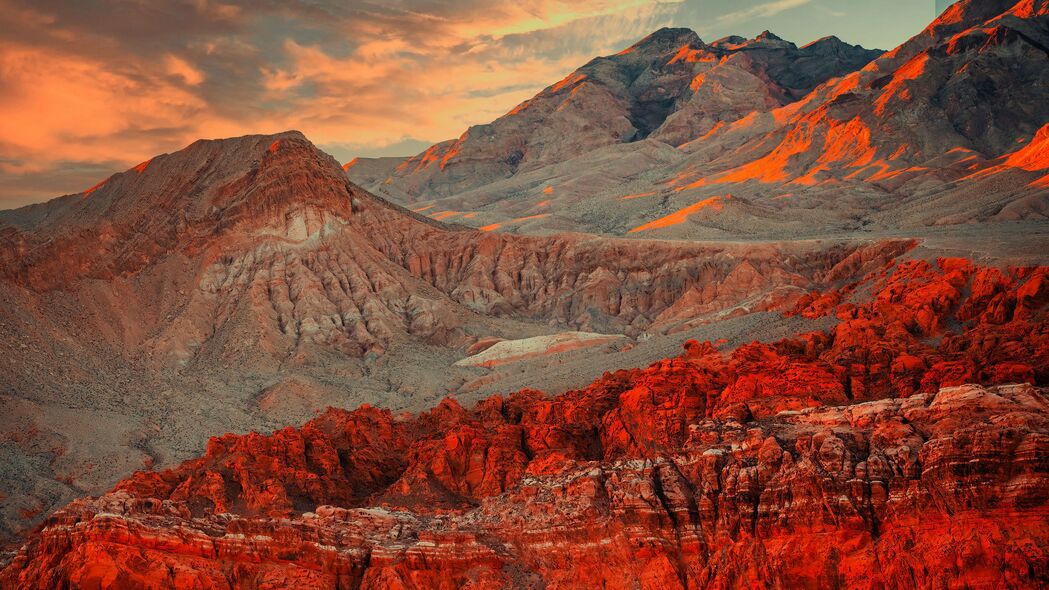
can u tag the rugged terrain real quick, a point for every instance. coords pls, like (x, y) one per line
(861, 448)
(861, 399)
(244, 285)
(908, 141)
(669, 87)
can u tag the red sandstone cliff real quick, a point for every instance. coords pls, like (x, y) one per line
(855, 457)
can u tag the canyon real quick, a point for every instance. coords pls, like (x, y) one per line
(280, 288)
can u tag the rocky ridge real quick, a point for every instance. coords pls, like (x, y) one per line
(670, 86)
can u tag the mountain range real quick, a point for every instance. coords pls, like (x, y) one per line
(669, 87)
(827, 264)
(771, 132)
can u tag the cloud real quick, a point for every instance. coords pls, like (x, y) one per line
(82, 110)
(26, 185)
(346, 151)
(115, 82)
(764, 10)
(176, 66)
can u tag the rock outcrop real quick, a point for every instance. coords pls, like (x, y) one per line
(860, 456)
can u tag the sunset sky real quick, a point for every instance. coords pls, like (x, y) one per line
(92, 87)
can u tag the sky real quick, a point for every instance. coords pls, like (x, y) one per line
(93, 87)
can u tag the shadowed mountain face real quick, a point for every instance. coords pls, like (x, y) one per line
(927, 134)
(654, 88)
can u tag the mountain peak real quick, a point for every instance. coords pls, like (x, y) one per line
(765, 40)
(649, 88)
(729, 40)
(665, 39)
(970, 13)
(247, 141)
(828, 41)
(832, 44)
(768, 39)
(212, 191)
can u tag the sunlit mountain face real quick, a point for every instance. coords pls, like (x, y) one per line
(554, 295)
(943, 5)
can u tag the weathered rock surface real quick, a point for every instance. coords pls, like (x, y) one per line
(923, 101)
(946, 488)
(271, 232)
(241, 285)
(252, 270)
(860, 456)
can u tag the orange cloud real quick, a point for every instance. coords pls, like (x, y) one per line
(176, 66)
(60, 106)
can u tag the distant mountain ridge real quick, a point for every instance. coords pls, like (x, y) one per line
(922, 135)
(658, 88)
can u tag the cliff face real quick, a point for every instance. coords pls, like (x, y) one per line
(944, 489)
(852, 457)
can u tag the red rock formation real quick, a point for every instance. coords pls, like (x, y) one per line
(243, 260)
(846, 458)
(893, 336)
(252, 261)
